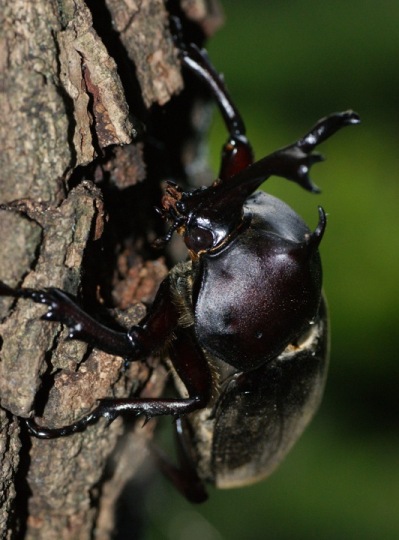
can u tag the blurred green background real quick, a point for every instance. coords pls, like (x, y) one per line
(288, 63)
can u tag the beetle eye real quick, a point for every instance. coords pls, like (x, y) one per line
(198, 239)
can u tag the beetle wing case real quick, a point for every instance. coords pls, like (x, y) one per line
(260, 414)
(272, 406)
(267, 287)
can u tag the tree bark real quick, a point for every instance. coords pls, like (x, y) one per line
(84, 91)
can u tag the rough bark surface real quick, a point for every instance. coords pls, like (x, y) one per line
(71, 156)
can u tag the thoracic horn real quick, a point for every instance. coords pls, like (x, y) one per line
(313, 240)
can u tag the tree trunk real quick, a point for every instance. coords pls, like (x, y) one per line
(86, 139)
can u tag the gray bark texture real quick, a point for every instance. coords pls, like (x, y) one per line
(70, 143)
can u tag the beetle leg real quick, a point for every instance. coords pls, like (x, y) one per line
(184, 477)
(61, 308)
(136, 343)
(237, 151)
(142, 339)
(190, 365)
(198, 62)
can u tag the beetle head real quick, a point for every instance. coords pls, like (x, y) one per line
(207, 218)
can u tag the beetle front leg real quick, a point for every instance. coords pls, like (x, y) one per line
(136, 343)
(237, 152)
(61, 308)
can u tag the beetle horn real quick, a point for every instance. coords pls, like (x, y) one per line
(313, 240)
(292, 162)
(222, 203)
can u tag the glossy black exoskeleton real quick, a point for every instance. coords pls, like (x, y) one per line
(245, 317)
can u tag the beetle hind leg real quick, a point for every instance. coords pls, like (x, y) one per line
(184, 477)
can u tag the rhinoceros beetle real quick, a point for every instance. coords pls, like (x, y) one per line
(244, 317)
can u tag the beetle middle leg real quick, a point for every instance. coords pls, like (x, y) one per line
(157, 327)
(191, 366)
(131, 345)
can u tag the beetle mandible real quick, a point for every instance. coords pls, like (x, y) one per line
(245, 317)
